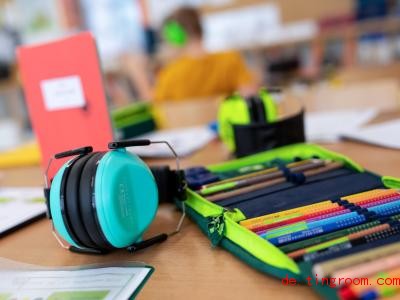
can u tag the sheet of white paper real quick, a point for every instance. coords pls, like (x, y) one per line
(63, 93)
(97, 284)
(223, 31)
(329, 126)
(385, 134)
(184, 141)
(18, 205)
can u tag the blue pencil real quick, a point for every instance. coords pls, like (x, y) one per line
(387, 209)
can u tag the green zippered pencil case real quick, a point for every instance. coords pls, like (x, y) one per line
(220, 219)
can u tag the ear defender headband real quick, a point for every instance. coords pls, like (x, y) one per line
(250, 125)
(100, 201)
(174, 33)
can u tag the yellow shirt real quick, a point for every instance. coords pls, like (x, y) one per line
(209, 75)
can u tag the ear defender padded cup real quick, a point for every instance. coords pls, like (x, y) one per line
(72, 202)
(174, 33)
(126, 197)
(88, 203)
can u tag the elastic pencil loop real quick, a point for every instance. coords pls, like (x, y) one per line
(370, 215)
(278, 163)
(348, 205)
(360, 210)
(281, 165)
(296, 178)
(339, 201)
(391, 222)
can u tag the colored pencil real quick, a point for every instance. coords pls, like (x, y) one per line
(359, 201)
(319, 230)
(244, 182)
(319, 215)
(369, 268)
(341, 219)
(261, 172)
(395, 230)
(297, 211)
(387, 290)
(245, 189)
(327, 268)
(326, 237)
(374, 289)
(367, 204)
(308, 217)
(387, 209)
(369, 194)
(349, 238)
(236, 189)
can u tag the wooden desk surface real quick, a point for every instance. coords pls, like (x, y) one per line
(186, 265)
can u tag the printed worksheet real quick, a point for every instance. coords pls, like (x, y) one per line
(20, 205)
(101, 283)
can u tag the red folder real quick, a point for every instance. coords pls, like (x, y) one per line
(64, 92)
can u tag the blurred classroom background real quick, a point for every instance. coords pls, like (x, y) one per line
(331, 54)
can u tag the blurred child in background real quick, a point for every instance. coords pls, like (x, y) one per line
(197, 73)
(194, 73)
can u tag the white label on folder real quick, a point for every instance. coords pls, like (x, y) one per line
(62, 93)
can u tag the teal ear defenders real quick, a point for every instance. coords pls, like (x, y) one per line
(174, 33)
(100, 201)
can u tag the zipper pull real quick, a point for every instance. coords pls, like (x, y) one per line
(216, 229)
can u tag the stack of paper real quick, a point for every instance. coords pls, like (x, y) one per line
(184, 141)
(329, 126)
(385, 134)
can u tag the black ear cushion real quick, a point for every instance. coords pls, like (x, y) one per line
(63, 200)
(162, 176)
(87, 203)
(72, 202)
